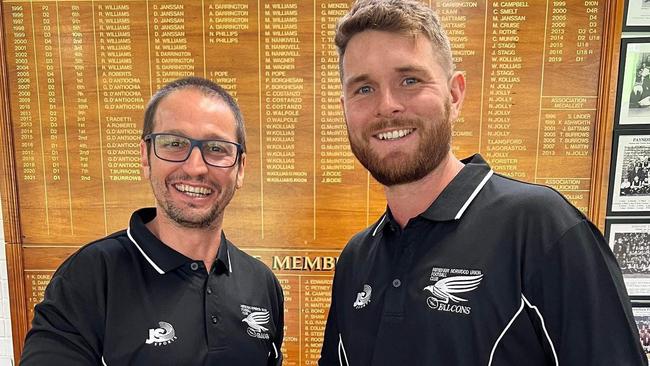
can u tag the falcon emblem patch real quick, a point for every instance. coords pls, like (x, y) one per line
(445, 292)
(256, 318)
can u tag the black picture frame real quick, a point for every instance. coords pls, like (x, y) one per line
(636, 17)
(633, 91)
(629, 240)
(641, 313)
(629, 178)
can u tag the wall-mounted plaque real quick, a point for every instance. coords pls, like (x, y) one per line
(629, 239)
(633, 98)
(629, 185)
(80, 72)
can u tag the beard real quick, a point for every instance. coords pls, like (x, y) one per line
(401, 167)
(188, 218)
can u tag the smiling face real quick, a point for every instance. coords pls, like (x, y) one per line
(192, 194)
(398, 104)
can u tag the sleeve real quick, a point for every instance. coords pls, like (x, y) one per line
(68, 324)
(276, 356)
(579, 295)
(329, 355)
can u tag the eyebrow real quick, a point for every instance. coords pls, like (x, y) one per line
(209, 137)
(402, 69)
(410, 68)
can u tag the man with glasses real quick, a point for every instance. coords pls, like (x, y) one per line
(170, 289)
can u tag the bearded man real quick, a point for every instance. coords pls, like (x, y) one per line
(466, 267)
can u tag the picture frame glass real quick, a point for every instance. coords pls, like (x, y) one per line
(635, 88)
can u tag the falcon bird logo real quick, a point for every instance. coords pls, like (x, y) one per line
(256, 319)
(444, 289)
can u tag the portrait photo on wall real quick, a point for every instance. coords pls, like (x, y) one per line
(641, 314)
(636, 16)
(633, 96)
(629, 240)
(629, 186)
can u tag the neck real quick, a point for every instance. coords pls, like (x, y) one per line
(406, 201)
(198, 244)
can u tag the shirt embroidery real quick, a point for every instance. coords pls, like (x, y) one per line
(256, 317)
(445, 289)
(363, 297)
(161, 336)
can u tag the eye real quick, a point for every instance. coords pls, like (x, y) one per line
(364, 90)
(410, 81)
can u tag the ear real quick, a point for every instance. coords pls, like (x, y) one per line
(457, 93)
(144, 159)
(240, 171)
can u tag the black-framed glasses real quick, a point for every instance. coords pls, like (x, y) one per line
(176, 149)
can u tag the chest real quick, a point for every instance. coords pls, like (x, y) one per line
(186, 319)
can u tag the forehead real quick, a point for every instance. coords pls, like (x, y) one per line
(192, 110)
(385, 50)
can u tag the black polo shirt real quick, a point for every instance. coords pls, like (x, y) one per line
(129, 299)
(494, 272)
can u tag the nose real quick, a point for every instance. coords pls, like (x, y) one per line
(389, 104)
(194, 165)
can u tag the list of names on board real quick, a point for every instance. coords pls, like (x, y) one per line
(81, 73)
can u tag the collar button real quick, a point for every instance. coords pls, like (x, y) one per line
(194, 266)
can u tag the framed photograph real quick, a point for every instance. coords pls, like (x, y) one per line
(629, 186)
(641, 313)
(633, 97)
(637, 16)
(629, 240)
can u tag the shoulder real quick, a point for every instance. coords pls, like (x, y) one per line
(95, 257)
(532, 201)
(361, 242)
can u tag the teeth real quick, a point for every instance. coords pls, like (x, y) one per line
(193, 191)
(393, 135)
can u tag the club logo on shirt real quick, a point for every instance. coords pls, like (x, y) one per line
(363, 297)
(161, 336)
(448, 284)
(256, 318)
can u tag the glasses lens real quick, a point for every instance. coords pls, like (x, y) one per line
(220, 153)
(171, 147)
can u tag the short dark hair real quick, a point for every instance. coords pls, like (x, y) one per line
(208, 88)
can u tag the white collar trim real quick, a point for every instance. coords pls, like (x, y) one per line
(473, 195)
(154, 265)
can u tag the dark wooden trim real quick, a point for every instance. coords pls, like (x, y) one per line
(10, 214)
(605, 115)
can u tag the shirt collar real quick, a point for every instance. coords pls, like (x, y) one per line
(158, 254)
(454, 200)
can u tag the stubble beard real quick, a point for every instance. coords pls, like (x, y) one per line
(403, 167)
(186, 219)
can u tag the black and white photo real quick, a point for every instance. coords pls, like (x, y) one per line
(642, 319)
(633, 98)
(637, 16)
(630, 186)
(629, 239)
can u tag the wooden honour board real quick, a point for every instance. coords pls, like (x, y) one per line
(77, 75)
